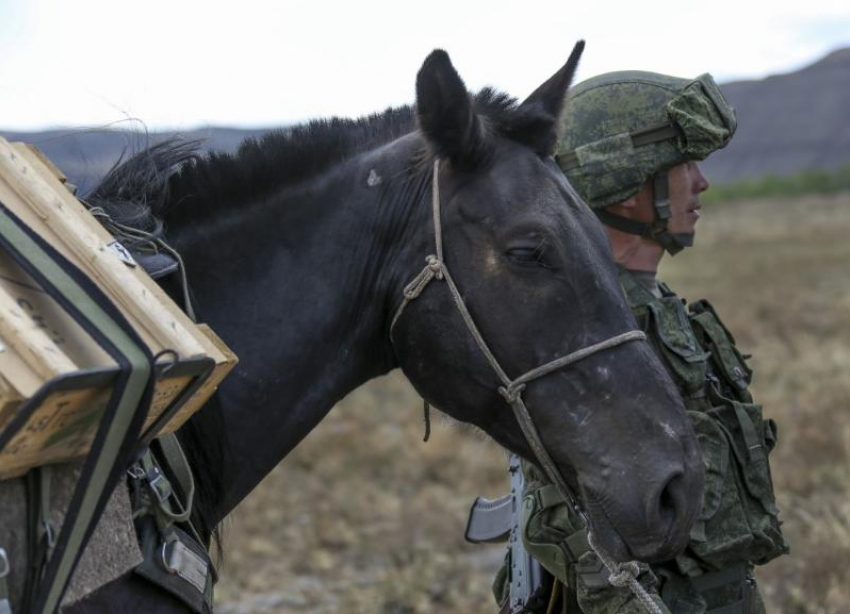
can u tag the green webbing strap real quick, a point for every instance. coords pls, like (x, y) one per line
(41, 531)
(739, 607)
(755, 449)
(47, 525)
(576, 542)
(128, 394)
(655, 230)
(549, 496)
(734, 574)
(661, 187)
(5, 606)
(677, 586)
(175, 556)
(569, 160)
(176, 462)
(163, 492)
(632, 227)
(737, 572)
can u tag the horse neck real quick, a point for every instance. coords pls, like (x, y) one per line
(298, 286)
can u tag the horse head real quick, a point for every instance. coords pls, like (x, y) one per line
(533, 270)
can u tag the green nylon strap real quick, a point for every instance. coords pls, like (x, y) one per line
(715, 579)
(739, 607)
(44, 503)
(569, 160)
(175, 461)
(549, 496)
(576, 543)
(163, 491)
(633, 227)
(177, 464)
(755, 449)
(735, 574)
(5, 607)
(661, 189)
(131, 397)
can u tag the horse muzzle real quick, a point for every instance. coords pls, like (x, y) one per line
(647, 520)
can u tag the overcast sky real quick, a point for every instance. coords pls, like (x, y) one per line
(177, 64)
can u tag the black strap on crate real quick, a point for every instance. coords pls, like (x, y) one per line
(117, 434)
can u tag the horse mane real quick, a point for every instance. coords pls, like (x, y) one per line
(173, 178)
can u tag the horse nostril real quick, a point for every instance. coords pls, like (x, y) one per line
(671, 499)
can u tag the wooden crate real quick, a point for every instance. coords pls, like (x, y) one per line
(46, 355)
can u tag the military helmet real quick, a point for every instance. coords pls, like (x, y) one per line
(621, 129)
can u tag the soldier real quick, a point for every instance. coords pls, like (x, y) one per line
(630, 146)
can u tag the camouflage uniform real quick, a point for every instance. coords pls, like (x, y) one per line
(621, 130)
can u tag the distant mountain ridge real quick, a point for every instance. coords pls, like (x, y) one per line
(786, 123)
(85, 155)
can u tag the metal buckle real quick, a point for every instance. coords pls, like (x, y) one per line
(159, 484)
(135, 471)
(122, 253)
(49, 533)
(163, 553)
(181, 561)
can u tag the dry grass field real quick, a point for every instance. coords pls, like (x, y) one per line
(366, 518)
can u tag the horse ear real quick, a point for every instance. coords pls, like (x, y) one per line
(445, 113)
(543, 107)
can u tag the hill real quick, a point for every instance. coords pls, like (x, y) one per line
(85, 155)
(788, 123)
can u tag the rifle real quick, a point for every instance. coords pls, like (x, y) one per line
(499, 520)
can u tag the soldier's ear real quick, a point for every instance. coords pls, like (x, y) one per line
(629, 203)
(643, 198)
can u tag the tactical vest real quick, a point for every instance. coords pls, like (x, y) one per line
(738, 524)
(739, 519)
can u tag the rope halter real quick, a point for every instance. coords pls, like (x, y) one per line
(512, 389)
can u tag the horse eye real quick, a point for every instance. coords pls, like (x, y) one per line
(528, 255)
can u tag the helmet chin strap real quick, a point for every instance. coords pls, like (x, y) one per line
(657, 231)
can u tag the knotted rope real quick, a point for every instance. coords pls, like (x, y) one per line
(144, 241)
(625, 574)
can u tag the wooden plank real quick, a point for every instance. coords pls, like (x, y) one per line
(209, 348)
(59, 211)
(62, 429)
(30, 339)
(63, 426)
(54, 170)
(222, 369)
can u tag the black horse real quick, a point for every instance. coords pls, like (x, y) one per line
(299, 248)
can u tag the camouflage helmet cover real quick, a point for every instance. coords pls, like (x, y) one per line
(620, 128)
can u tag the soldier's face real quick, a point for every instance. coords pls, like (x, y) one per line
(686, 182)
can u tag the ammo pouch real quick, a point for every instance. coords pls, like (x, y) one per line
(556, 538)
(725, 357)
(739, 520)
(678, 344)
